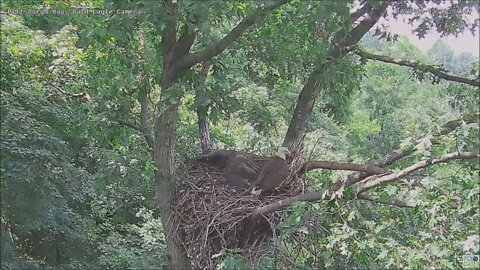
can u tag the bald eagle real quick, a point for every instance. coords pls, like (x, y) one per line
(237, 167)
(273, 173)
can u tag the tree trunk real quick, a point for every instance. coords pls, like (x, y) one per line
(202, 108)
(176, 61)
(306, 100)
(165, 185)
(203, 131)
(298, 124)
(164, 145)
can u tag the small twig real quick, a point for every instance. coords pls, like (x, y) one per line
(392, 202)
(83, 95)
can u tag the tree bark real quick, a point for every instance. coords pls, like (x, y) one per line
(164, 151)
(164, 147)
(303, 109)
(202, 109)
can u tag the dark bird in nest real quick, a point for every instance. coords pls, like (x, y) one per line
(273, 173)
(218, 158)
(238, 168)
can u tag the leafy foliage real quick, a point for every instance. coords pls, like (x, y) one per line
(77, 175)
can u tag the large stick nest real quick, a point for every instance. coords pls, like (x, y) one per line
(216, 216)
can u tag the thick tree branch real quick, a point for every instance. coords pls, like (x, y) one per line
(387, 202)
(208, 53)
(311, 90)
(405, 151)
(363, 27)
(184, 43)
(413, 64)
(202, 108)
(360, 12)
(374, 181)
(169, 37)
(332, 165)
(324, 193)
(349, 43)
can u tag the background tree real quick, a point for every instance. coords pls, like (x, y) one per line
(95, 106)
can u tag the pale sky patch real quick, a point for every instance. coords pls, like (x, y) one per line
(465, 42)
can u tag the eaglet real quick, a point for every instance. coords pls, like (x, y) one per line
(238, 168)
(273, 173)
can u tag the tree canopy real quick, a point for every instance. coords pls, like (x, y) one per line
(103, 101)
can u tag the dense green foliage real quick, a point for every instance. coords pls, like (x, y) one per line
(77, 184)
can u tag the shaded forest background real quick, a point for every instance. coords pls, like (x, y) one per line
(81, 95)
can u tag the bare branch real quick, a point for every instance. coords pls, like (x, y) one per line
(332, 165)
(387, 202)
(402, 152)
(374, 181)
(306, 197)
(413, 64)
(208, 53)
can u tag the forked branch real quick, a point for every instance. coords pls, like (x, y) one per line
(375, 181)
(401, 152)
(207, 53)
(366, 185)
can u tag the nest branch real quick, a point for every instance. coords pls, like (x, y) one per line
(216, 216)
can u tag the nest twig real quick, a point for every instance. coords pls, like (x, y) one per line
(215, 216)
